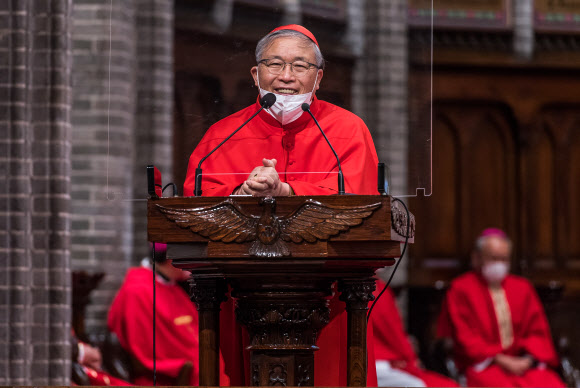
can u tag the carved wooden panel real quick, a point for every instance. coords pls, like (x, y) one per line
(488, 171)
(564, 120)
(550, 186)
(474, 184)
(439, 235)
(573, 202)
(519, 140)
(536, 107)
(538, 187)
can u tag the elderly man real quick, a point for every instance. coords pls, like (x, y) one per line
(281, 152)
(497, 322)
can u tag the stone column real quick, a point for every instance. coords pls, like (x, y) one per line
(380, 85)
(380, 92)
(35, 298)
(524, 28)
(153, 131)
(104, 48)
(122, 118)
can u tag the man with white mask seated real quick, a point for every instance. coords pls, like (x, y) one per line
(499, 328)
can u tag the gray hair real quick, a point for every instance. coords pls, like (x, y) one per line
(268, 39)
(480, 242)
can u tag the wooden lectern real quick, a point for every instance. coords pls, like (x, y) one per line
(280, 256)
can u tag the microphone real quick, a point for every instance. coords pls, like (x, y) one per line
(306, 108)
(267, 101)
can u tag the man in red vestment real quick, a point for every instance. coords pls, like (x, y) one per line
(176, 324)
(282, 152)
(396, 361)
(498, 325)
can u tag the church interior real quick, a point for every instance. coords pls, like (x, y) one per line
(474, 106)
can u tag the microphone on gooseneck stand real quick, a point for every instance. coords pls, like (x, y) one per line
(267, 101)
(306, 108)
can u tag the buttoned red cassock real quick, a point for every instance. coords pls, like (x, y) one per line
(306, 162)
(304, 159)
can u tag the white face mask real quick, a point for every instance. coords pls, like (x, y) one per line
(495, 272)
(287, 108)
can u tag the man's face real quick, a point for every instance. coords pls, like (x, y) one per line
(174, 273)
(495, 249)
(288, 49)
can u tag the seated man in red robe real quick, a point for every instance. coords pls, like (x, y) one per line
(281, 152)
(396, 361)
(176, 342)
(500, 332)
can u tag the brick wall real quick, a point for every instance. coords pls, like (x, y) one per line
(380, 90)
(523, 28)
(34, 199)
(123, 95)
(380, 85)
(154, 127)
(104, 51)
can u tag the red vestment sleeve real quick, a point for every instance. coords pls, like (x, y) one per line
(465, 319)
(330, 361)
(390, 339)
(103, 379)
(535, 337)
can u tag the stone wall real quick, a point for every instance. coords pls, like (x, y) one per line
(35, 141)
(104, 51)
(122, 78)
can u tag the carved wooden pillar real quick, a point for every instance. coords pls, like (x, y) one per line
(356, 294)
(83, 284)
(208, 294)
(283, 335)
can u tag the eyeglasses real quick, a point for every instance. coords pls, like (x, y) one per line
(277, 66)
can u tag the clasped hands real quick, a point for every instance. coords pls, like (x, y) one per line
(514, 364)
(264, 181)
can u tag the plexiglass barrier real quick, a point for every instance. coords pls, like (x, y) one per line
(366, 72)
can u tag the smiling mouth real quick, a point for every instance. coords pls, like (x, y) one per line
(286, 91)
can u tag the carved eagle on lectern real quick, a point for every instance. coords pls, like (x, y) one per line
(226, 222)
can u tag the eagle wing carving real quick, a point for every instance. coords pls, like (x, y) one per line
(315, 221)
(222, 222)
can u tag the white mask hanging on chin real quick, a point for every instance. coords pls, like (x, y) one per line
(287, 108)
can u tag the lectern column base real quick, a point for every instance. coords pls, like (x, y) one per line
(283, 328)
(282, 368)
